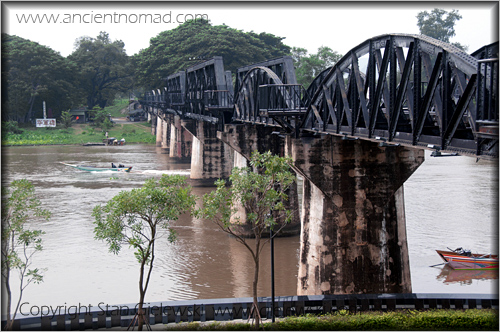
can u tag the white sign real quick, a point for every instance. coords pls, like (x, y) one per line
(45, 123)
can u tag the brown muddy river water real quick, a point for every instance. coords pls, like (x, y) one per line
(450, 202)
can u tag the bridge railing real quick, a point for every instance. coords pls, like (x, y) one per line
(107, 316)
(487, 98)
(283, 98)
(175, 99)
(218, 99)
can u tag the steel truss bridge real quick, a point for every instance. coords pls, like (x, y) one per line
(396, 89)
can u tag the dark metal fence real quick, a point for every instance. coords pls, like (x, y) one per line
(218, 99)
(83, 317)
(283, 97)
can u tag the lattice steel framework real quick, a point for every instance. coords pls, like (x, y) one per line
(246, 102)
(263, 99)
(404, 89)
(282, 67)
(397, 88)
(175, 89)
(203, 91)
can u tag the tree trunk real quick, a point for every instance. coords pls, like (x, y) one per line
(6, 280)
(29, 115)
(140, 312)
(10, 321)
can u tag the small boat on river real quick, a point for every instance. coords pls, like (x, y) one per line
(460, 259)
(113, 168)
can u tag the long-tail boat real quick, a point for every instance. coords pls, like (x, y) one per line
(119, 168)
(460, 259)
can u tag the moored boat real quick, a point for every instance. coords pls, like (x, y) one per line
(113, 168)
(460, 259)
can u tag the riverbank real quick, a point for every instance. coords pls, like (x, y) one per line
(132, 132)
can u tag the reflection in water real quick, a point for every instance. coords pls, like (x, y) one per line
(464, 277)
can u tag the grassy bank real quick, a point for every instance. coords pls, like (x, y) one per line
(79, 134)
(116, 110)
(404, 320)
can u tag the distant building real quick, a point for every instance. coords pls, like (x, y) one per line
(79, 115)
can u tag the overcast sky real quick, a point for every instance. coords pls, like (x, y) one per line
(338, 25)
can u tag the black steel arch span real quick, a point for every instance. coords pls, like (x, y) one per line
(263, 99)
(408, 89)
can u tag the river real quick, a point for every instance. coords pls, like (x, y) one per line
(449, 202)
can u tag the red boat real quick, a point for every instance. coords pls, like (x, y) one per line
(460, 259)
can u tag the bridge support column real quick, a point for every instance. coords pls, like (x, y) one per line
(178, 140)
(159, 124)
(153, 119)
(245, 139)
(353, 234)
(164, 135)
(211, 159)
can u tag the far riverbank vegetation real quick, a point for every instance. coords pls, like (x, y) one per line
(14, 134)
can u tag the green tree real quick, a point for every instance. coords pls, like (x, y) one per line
(439, 24)
(100, 118)
(173, 50)
(262, 192)
(308, 67)
(139, 218)
(66, 119)
(104, 68)
(20, 206)
(31, 74)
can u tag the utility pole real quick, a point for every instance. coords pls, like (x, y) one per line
(272, 274)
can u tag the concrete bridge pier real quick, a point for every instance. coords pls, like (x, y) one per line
(153, 120)
(353, 233)
(159, 129)
(244, 139)
(180, 140)
(165, 134)
(211, 159)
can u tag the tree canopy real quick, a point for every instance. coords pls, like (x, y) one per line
(104, 68)
(307, 67)
(172, 50)
(439, 24)
(33, 73)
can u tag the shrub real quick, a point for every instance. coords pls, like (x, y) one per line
(11, 127)
(403, 320)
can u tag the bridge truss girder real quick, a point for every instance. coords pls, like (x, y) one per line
(414, 90)
(201, 92)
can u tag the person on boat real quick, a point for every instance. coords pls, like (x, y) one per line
(113, 165)
(121, 165)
